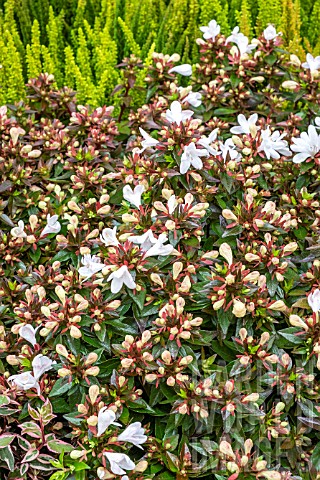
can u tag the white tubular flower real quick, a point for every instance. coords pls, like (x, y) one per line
(40, 365)
(29, 333)
(270, 33)
(228, 150)
(119, 462)
(109, 237)
(244, 124)
(191, 156)
(185, 70)
(133, 434)
(206, 142)
(211, 31)
(146, 240)
(273, 145)
(18, 232)
(193, 98)
(91, 266)
(53, 226)
(312, 63)
(121, 277)
(306, 146)
(133, 196)
(176, 115)
(241, 41)
(172, 204)
(314, 300)
(25, 381)
(147, 141)
(159, 248)
(106, 417)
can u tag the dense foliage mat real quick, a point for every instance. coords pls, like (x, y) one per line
(160, 271)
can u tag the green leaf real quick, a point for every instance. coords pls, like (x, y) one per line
(315, 457)
(6, 439)
(61, 256)
(61, 386)
(58, 446)
(6, 455)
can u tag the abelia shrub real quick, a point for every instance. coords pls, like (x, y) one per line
(160, 272)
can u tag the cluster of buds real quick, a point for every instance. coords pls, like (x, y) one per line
(244, 461)
(235, 285)
(289, 379)
(253, 217)
(273, 425)
(268, 256)
(65, 314)
(174, 324)
(76, 367)
(253, 350)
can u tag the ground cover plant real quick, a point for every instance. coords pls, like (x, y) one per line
(160, 270)
(81, 42)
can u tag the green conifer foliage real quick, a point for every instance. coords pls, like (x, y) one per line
(244, 19)
(33, 53)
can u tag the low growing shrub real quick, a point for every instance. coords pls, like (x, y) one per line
(160, 271)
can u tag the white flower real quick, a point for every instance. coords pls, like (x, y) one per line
(121, 277)
(185, 70)
(109, 237)
(241, 41)
(211, 31)
(176, 114)
(91, 265)
(25, 381)
(207, 141)
(314, 300)
(270, 33)
(172, 204)
(308, 145)
(53, 226)
(133, 434)
(228, 149)
(106, 417)
(133, 196)
(159, 248)
(15, 132)
(29, 333)
(18, 232)
(40, 365)
(146, 240)
(245, 124)
(191, 156)
(194, 98)
(317, 122)
(119, 462)
(148, 140)
(273, 145)
(312, 63)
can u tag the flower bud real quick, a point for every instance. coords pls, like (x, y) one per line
(226, 252)
(239, 309)
(93, 393)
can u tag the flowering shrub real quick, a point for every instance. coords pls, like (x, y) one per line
(160, 272)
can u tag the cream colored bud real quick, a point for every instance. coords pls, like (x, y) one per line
(155, 278)
(92, 421)
(92, 371)
(93, 393)
(290, 85)
(64, 372)
(226, 252)
(239, 309)
(278, 306)
(75, 332)
(177, 269)
(91, 358)
(229, 215)
(61, 350)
